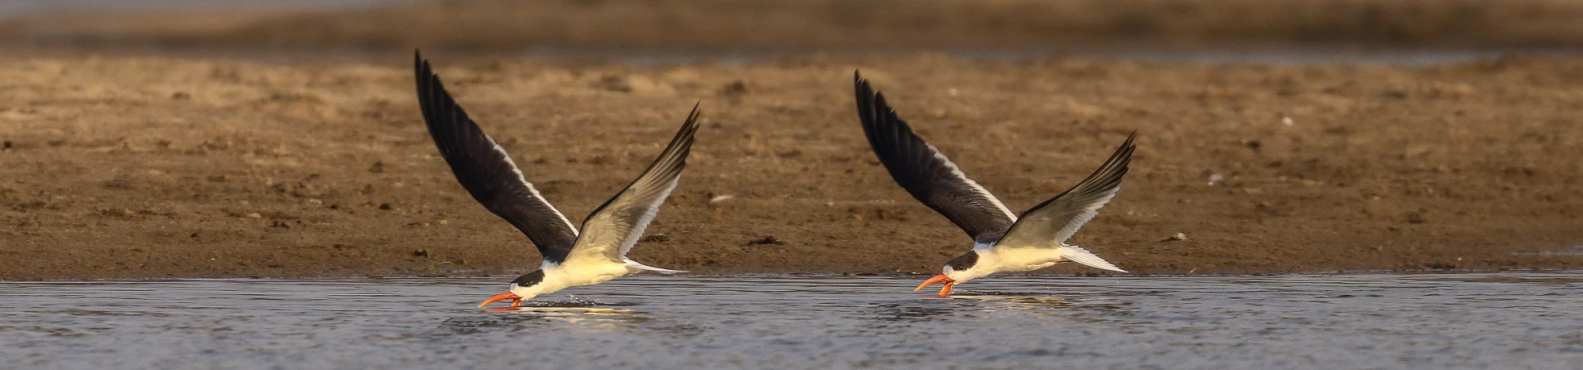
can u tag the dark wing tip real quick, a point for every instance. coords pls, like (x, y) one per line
(1107, 176)
(1130, 145)
(427, 80)
(871, 102)
(864, 94)
(1110, 173)
(424, 77)
(666, 166)
(676, 152)
(892, 140)
(690, 125)
(421, 66)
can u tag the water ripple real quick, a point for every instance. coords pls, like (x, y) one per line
(1469, 321)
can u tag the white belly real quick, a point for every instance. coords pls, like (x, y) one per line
(591, 273)
(1025, 259)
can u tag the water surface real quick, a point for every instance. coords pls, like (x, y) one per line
(1468, 321)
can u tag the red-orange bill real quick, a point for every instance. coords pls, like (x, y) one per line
(515, 300)
(938, 279)
(946, 291)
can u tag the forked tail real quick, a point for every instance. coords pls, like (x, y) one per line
(1084, 257)
(638, 266)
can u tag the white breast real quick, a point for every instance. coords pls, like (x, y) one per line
(1021, 259)
(589, 273)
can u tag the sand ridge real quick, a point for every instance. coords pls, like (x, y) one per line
(137, 167)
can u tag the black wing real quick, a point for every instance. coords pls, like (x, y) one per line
(611, 230)
(1051, 223)
(487, 172)
(927, 174)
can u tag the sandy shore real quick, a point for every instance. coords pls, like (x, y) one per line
(286, 142)
(140, 167)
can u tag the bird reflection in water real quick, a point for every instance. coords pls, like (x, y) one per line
(578, 314)
(600, 315)
(531, 315)
(1018, 299)
(909, 312)
(1088, 310)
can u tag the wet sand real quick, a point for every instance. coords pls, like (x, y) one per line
(159, 166)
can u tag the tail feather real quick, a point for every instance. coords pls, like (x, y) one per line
(1084, 257)
(638, 266)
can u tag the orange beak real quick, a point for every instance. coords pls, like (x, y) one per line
(938, 279)
(515, 300)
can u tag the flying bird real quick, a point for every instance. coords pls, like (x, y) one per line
(1002, 241)
(597, 254)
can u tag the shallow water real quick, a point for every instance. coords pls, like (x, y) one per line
(1472, 321)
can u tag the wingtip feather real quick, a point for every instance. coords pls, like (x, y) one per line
(1084, 257)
